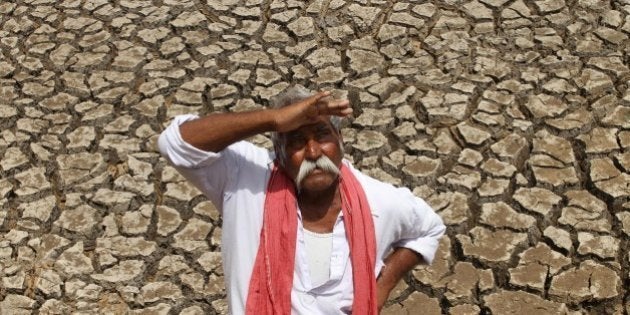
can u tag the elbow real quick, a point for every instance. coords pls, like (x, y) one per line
(439, 228)
(162, 144)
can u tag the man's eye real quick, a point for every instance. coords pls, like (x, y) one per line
(323, 134)
(295, 141)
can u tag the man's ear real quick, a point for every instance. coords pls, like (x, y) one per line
(340, 136)
(280, 156)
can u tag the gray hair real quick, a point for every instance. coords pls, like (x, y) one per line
(288, 96)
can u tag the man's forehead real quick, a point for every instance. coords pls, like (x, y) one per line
(319, 125)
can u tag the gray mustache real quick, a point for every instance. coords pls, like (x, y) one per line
(307, 166)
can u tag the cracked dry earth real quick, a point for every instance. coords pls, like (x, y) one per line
(510, 117)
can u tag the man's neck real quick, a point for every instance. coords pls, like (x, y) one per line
(320, 209)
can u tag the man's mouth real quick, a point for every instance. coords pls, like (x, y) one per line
(315, 168)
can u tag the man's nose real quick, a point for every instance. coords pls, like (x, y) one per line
(313, 149)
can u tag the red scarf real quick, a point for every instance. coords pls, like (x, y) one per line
(272, 278)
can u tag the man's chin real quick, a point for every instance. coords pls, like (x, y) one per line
(318, 182)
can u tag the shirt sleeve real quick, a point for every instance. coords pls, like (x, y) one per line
(215, 174)
(178, 152)
(404, 219)
(424, 233)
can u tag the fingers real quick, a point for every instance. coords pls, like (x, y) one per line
(317, 97)
(335, 107)
(321, 104)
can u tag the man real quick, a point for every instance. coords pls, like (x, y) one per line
(303, 231)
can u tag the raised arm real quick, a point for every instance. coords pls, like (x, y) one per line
(217, 131)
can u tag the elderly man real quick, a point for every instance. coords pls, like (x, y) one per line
(303, 231)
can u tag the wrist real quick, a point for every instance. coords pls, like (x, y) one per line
(272, 119)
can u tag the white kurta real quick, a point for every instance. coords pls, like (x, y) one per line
(235, 180)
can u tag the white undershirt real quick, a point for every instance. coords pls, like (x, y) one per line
(318, 252)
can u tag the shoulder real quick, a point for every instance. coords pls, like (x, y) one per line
(248, 158)
(384, 196)
(249, 150)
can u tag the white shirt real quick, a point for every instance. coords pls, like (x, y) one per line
(235, 180)
(318, 247)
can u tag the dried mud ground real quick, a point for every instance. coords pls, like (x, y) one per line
(511, 118)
